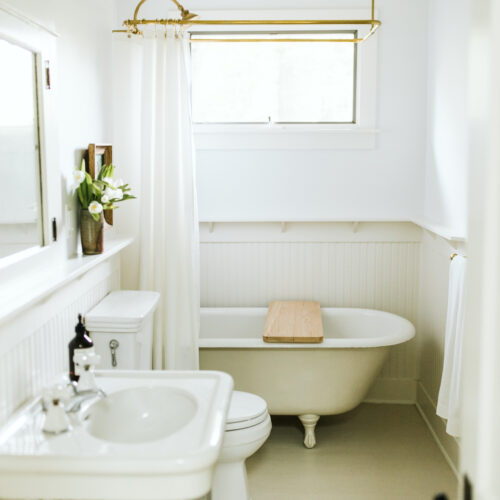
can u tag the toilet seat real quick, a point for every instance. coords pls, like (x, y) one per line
(246, 410)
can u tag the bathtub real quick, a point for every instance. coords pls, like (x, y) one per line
(307, 380)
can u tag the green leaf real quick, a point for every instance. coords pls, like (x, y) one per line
(82, 165)
(80, 196)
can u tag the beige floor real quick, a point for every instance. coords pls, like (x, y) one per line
(375, 452)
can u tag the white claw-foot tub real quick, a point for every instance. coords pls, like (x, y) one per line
(308, 380)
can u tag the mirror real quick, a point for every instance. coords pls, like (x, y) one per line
(20, 186)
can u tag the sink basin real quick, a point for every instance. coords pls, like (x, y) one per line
(141, 414)
(156, 436)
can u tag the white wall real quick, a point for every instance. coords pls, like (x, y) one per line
(33, 345)
(433, 302)
(446, 166)
(82, 83)
(445, 196)
(480, 456)
(383, 183)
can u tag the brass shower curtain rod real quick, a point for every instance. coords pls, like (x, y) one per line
(190, 19)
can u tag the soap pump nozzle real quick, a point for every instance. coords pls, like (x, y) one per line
(80, 327)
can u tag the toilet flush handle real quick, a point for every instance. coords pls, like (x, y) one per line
(113, 346)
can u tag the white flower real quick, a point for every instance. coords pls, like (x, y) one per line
(95, 207)
(110, 181)
(78, 177)
(104, 198)
(113, 194)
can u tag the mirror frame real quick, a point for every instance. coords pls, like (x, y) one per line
(20, 30)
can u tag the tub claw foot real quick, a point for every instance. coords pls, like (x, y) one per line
(309, 422)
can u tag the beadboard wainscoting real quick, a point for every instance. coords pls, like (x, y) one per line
(369, 265)
(434, 271)
(34, 350)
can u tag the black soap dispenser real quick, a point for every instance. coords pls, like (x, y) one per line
(81, 342)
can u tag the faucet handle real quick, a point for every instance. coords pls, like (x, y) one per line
(84, 367)
(85, 361)
(56, 395)
(54, 400)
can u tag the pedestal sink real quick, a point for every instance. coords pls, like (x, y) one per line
(156, 436)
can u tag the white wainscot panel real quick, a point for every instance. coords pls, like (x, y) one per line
(375, 275)
(33, 346)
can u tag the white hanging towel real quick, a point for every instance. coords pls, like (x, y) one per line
(448, 405)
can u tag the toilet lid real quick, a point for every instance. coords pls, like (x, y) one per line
(245, 410)
(122, 311)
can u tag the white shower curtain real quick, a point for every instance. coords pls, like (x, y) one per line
(169, 240)
(450, 391)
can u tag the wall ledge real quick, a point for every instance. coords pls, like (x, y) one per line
(19, 294)
(443, 231)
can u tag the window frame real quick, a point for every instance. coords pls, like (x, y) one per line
(291, 136)
(308, 31)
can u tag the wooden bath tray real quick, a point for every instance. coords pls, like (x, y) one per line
(293, 321)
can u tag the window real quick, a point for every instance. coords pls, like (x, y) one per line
(262, 82)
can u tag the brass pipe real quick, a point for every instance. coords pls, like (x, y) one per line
(277, 40)
(138, 6)
(187, 18)
(252, 22)
(185, 14)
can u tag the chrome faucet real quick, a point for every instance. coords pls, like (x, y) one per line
(74, 404)
(60, 401)
(86, 388)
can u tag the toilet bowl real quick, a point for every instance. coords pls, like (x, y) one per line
(248, 425)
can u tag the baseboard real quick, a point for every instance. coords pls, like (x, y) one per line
(394, 391)
(448, 445)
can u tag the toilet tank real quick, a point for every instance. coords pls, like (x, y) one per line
(121, 326)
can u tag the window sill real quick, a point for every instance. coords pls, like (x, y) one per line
(19, 294)
(293, 137)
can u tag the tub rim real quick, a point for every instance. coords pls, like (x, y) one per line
(406, 333)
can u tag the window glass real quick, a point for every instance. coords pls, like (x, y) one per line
(284, 82)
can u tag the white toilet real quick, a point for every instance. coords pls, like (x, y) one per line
(121, 326)
(248, 425)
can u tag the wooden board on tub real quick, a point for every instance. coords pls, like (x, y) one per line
(293, 321)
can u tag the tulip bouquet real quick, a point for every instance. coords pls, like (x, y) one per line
(100, 194)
